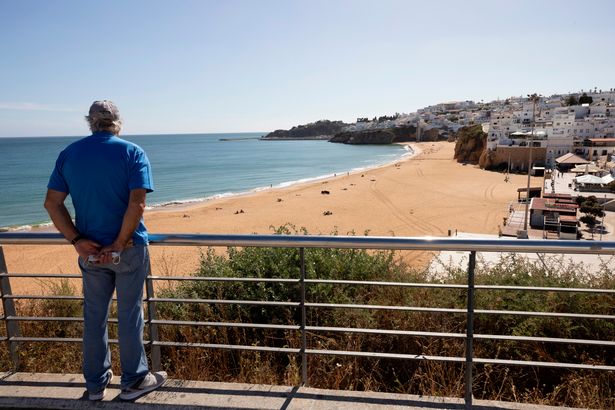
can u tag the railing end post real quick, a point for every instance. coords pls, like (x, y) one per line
(470, 331)
(304, 372)
(8, 308)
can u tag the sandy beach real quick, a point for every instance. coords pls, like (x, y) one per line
(426, 194)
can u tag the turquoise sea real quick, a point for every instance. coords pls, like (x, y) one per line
(186, 167)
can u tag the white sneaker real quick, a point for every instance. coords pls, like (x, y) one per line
(150, 382)
(99, 395)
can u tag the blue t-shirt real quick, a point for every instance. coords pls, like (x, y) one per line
(98, 172)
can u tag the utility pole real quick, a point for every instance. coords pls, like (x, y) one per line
(534, 97)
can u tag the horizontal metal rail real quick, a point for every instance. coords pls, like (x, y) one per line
(42, 275)
(49, 297)
(221, 279)
(51, 319)
(545, 289)
(377, 283)
(230, 347)
(340, 306)
(22, 339)
(345, 242)
(226, 302)
(558, 365)
(458, 359)
(545, 314)
(226, 324)
(458, 335)
(330, 329)
(591, 342)
(459, 311)
(329, 281)
(385, 307)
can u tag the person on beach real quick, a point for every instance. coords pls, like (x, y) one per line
(108, 179)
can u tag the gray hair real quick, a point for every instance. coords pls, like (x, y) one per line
(104, 125)
(104, 116)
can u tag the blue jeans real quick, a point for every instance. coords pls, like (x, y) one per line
(99, 282)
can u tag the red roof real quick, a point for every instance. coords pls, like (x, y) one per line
(545, 204)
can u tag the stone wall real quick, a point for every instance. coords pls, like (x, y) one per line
(518, 157)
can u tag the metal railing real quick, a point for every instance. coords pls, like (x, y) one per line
(301, 242)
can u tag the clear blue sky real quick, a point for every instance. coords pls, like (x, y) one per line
(234, 66)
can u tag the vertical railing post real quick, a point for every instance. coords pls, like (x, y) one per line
(151, 315)
(8, 306)
(470, 331)
(304, 372)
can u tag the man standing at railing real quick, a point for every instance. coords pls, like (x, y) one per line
(107, 179)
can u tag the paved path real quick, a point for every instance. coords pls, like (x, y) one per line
(55, 391)
(444, 261)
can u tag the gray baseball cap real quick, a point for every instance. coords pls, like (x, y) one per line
(103, 110)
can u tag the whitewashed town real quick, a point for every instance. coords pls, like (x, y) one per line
(567, 139)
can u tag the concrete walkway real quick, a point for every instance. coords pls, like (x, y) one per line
(444, 261)
(55, 391)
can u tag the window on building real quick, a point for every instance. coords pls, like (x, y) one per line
(595, 152)
(604, 152)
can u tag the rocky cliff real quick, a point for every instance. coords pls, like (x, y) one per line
(377, 136)
(470, 144)
(323, 129)
(365, 137)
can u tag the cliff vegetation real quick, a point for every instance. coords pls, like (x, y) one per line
(323, 129)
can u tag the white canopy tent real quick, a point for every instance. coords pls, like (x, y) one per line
(607, 179)
(589, 180)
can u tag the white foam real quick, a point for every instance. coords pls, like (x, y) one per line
(28, 227)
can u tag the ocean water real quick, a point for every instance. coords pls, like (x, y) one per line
(186, 167)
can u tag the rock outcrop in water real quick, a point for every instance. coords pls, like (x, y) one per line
(319, 130)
